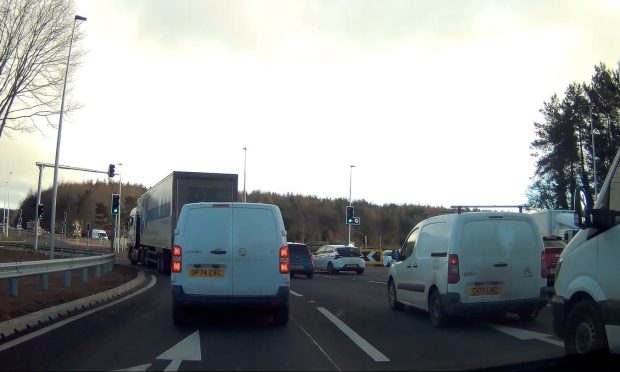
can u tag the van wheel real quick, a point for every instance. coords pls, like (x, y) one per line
(435, 310)
(585, 332)
(392, 300)
(528, 315)
(280, 316)
(309, 274)
(159, 263)
(330, 269)
(179, 315)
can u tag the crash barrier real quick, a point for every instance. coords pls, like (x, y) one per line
(15, 270)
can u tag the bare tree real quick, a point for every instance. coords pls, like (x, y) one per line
(34, 42)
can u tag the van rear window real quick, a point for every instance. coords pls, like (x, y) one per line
(298, 249)
(498, 238)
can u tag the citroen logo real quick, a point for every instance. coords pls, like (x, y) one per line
(527, 273)
(243, 251)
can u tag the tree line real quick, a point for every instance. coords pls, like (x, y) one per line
(309, 219)
(589, 113)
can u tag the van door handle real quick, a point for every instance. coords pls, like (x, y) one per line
(218, 251)
(500, 264)
(410, 266)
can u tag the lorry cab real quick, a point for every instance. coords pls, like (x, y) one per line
(586, 304)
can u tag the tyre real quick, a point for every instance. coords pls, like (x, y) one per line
(528, 315)
(330, 269)
(585, 332)
(309, 274)
(280, 316)
(360, 272)
(132, 257)
(392, 300)
(160, 263)
(179, 315)
(292, 275)
(436, 311)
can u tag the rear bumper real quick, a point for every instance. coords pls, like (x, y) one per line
(304, 267)
(280, 299)
(352, 266)
(452, 305)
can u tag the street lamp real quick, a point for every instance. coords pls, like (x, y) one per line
(62, 109)
(593, 153)
(245, 158)
(350, 183)
(8, 212)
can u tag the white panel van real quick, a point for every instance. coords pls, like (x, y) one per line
(463, 263)
(586, 304)
(230, 254)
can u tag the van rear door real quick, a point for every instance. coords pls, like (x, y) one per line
(500, 259)
(207, 250)
(257, 239)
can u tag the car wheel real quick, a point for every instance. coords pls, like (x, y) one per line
(528, 315)
(585, 333)
(280, 316)
(310, 274)
(330, 268)
(360, 272)
(179, 315)
(435, 310)
(392, 300)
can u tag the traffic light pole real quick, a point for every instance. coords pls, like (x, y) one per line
(36, 209)
(350, 183)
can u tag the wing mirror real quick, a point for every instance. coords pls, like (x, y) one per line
(583, 218)
(396, 255)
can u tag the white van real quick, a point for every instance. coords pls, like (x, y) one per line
(586, 304)
(230, 254)
(98, 234)
(475, 262)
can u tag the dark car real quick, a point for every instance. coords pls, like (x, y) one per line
(554, 246)
(300, 259)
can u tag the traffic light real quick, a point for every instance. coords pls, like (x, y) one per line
(40, 211)
(350, 212)
(111, 169)
(116, 201)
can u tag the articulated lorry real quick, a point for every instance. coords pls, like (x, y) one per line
(152, 222)
(556, 222)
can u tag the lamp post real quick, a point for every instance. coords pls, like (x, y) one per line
(593, 153)
(62, 109)
(350, 183)
(8, 205)
(245, 159)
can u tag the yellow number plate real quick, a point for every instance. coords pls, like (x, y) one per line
(206, 273)
(485, 291)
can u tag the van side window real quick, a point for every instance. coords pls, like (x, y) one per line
(433, 239)
(407, 249)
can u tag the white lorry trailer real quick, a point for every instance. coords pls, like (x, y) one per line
(556, 222)
(151, 224)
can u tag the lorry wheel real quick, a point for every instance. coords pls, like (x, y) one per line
(280, 316)
(585, 332)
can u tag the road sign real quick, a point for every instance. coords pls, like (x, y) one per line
(356, 221)
(371, 255)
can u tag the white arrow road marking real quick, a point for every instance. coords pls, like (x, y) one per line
(141, 368)
(524, 334)
(375, 354)
(325, 276)
(295, 293)
(372, 281)
(187, 349)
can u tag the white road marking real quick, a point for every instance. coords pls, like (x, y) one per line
(325, 276)
(187, 349)
(524, 334)
(372, 281)
(375, 354)
(141, 368)
(295, 293)
(54, 326)
(318, 346)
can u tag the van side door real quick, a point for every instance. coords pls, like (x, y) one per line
(405, 286)
(608, 245)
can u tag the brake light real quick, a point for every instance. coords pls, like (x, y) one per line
(544, 269)
(284, 266)
(177, 265)
(453, 269)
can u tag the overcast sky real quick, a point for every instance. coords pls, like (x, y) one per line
(432, 101)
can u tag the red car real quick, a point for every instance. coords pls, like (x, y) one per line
(550, 257)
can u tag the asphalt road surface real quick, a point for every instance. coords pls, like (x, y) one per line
(337, 322)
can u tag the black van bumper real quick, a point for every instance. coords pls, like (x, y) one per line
(280, 299)
(452, 305)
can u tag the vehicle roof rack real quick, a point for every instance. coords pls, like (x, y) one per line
(459, 208)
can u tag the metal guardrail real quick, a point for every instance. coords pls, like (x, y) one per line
(19, 269)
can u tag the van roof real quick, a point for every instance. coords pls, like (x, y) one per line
(478, 215)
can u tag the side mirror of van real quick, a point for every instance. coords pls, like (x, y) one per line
(396, 255)
(582, 208)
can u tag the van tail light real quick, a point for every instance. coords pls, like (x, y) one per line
(177, 265)
(284, 265)
(453, 269)
(544, 268)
